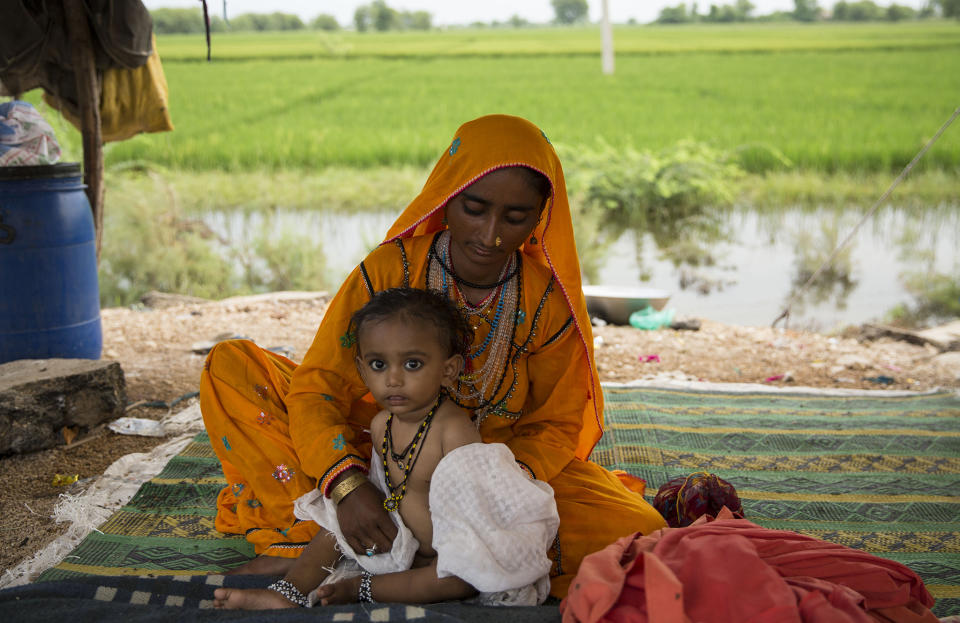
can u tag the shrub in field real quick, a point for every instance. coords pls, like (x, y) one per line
(325, 22)
(570, 11)
(656, 190)
(588, 227)
(936, 299)
(148, 245)
(266, 22)
(167, 21)
(862, 11)
(673, 195)
(275, 259)
(293, 262)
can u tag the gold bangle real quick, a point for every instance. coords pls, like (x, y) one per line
(346, 487)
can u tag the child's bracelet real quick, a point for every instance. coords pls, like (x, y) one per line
(291, 592)
(365, 594)
(347, 487)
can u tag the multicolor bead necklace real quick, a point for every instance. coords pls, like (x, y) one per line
(493, 323)
(478, 383)
(409, 456)
(508, 272)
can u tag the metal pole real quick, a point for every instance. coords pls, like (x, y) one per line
(607, 33)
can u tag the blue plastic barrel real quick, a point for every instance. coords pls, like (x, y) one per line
(49, 293)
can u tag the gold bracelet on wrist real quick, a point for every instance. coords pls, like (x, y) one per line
(347, 487)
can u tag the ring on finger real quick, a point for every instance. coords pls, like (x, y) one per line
(370, 551)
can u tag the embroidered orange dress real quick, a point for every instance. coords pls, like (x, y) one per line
(280, 429)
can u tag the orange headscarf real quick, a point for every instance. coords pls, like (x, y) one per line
(494, 142)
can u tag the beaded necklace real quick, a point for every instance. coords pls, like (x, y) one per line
(447, 265)
(402, 458)
(406, 455)
(409, 456)
(478, 384)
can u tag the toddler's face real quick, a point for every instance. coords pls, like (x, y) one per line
(404, 365)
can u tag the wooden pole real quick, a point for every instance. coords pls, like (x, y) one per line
(607, 36)
(88, 94)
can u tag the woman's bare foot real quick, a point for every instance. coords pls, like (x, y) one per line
(263, 565)
(249, 599)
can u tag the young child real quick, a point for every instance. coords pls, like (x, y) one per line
(446, 490)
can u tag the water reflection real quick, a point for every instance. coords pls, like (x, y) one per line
(823, 271)
(767, 254)
(737, 266)
(343, 239)
(683, 236)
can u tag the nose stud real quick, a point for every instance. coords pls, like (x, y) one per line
(498, 241)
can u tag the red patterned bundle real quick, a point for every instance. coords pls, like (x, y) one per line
(683, 499)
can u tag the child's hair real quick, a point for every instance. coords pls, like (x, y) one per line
(422, 305)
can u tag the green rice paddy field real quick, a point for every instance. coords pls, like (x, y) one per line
(831, 98)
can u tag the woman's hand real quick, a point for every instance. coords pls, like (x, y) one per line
(364, 522)
(342, 592)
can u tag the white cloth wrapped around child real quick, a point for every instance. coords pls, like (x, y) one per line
(492, 526)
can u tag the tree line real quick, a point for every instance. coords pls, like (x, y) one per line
(169, 21)
(376, 16)
(808, 11)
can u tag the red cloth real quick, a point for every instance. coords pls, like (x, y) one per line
(732, 570)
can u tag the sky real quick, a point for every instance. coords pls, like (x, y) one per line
(450, 12)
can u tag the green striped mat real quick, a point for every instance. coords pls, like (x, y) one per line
(881, 474)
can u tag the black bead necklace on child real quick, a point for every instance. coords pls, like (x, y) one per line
(405, 460)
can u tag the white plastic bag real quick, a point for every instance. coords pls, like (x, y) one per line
(137, 426)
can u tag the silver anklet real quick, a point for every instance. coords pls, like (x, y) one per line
(291, 592)
(365, 593)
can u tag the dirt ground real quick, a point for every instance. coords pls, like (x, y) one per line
(156, 347)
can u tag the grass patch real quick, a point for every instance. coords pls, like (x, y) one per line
(822, 97)
(921, 189)
(825, 111)
(339, 189)
(566, 41)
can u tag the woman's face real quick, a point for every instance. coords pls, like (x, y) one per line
(503, 204)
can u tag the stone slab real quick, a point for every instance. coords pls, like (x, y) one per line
(945, 337)
(39, 397)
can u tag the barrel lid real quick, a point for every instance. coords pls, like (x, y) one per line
(44, 171)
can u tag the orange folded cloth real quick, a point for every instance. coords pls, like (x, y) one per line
(732, 570)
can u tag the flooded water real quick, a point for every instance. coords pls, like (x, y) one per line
(766, 257)
(743, 276)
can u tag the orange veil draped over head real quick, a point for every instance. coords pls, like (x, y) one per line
(485, 145)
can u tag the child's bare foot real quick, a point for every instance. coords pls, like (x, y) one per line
(249, 599)
(263, 565)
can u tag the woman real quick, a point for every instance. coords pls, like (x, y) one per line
(492, 230)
